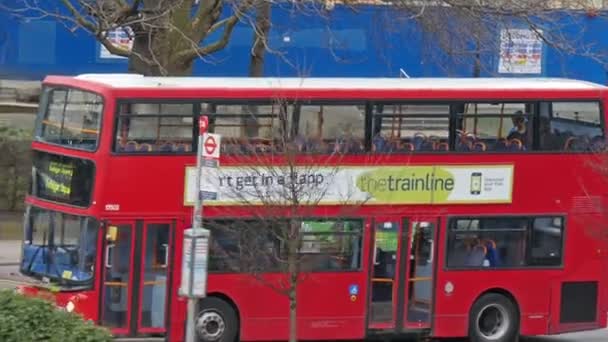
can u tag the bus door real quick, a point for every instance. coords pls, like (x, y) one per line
(135, 277)
(401, 273)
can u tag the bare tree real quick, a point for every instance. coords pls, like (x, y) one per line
(281, 180)
(469, 34)
(168, 35)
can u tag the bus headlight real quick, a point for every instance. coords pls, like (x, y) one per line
(69, 307)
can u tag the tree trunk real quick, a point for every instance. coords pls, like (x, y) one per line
(292, 264)
(140, 53)
(154, 43)
(260, 38)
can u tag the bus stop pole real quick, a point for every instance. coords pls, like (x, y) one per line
(196, 233)
(196, 224)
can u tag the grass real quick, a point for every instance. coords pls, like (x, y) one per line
(11, 225)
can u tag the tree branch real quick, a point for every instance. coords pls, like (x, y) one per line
(201, 19)
(113, 49)
(189, 54)
(192, 53)
(82, 21)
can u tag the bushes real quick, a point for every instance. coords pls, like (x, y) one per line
(15, 166)
(33, 319)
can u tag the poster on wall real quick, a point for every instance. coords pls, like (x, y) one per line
(520, 52)
(120, 37)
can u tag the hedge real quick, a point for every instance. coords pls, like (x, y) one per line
(15, 166)
(34, 319)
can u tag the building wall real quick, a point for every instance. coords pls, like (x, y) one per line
(370, 41)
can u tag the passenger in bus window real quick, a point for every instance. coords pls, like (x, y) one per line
(519, 132)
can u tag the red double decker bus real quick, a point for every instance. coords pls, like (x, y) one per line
(481, 216)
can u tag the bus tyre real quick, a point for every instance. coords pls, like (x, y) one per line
(216, 321)
(493, 318)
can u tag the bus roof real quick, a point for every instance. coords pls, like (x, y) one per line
(123, 81)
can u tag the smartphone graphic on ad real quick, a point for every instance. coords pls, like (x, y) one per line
(476, 183)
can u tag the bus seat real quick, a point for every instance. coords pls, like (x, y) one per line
(479, 146)
(144, 147)
(465, 142)
(356, 146)
(394, 145)
(501, 145)
(515, 144)
(442, 146)
(427, 145)
(180, 148)
(166, 147)
(406, 147)
(299, 142)
(131, 146)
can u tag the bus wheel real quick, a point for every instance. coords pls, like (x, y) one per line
(216, 321)
(494, 318)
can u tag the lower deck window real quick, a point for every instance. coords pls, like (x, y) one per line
(505, 242)
(250, 245)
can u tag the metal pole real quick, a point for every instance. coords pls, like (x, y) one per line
(190, 329)
(196, 224)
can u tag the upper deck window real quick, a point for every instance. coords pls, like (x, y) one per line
(154, 127)
(403, 128)
(71, 118)
(270, 126)
(330, 128)
(494, 127)
(267, 128)
(570, 126)
(250, 127)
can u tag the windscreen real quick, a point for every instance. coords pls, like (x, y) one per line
(59, 247)
(70, 117)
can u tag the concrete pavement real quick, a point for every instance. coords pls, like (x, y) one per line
(589, 336)
(20, 91)
(10, 252)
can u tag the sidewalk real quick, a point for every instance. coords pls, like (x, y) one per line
(16, 95)
(10, 252)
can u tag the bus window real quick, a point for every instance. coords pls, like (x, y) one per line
(503, 242)
(251, 128)
(154, 128)
(497, 127)
(72, 118)
(571, 126)
(330, 245)
(546, 241)
(331, 128)
(404, 128)
(250, 245)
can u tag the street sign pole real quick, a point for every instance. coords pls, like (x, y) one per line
(196, 245)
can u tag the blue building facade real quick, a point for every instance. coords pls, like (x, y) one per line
(369, 41)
